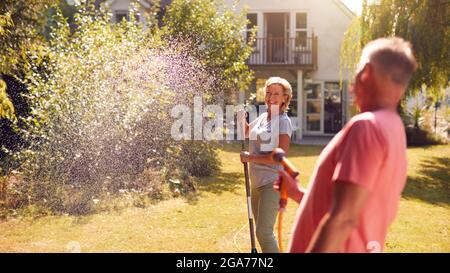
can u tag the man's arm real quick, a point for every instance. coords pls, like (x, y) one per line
(336, 226)
(293, 189)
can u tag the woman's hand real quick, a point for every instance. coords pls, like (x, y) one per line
(293, 190)
(245, 157)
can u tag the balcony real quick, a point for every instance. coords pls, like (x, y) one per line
(288, 53)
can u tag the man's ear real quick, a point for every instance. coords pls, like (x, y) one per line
(366, 73)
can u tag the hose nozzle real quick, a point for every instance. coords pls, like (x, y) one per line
(278, 155)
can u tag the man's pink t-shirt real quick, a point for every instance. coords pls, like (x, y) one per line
(369, 151)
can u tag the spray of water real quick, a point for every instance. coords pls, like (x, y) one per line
(101, 115)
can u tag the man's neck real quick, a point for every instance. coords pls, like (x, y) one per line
(381, 106)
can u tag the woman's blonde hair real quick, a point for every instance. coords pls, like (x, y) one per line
(287, 89)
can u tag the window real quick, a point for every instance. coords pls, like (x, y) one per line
(301, 32)
(123, 14)
(301, 20)
(332, 92)
(313, 103)
(313, 123)
(313, 91)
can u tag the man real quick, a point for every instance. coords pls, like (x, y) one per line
(355, 189)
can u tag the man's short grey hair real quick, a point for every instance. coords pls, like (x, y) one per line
(392, 57)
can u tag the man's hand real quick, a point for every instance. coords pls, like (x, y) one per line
(293, 190)
(245, 157)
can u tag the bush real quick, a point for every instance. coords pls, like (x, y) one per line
(100, 120)
(419, 137)
(418, 114)
(200, 158)
(10, 139)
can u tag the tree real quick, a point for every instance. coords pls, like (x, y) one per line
(215, 33)
(101, 119)
(424, 23)
(21, 23)
(6, 107)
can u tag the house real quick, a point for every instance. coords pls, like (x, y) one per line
(300, 40)
(120, 9)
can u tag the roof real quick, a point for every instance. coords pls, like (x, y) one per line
(344, 8)
(143, 3)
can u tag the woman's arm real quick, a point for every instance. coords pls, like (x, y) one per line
(284, 142)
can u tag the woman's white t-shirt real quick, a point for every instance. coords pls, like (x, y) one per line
(264, 136)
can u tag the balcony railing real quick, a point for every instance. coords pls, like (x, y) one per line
(285, 51)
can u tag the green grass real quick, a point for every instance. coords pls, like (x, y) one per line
(211, 219)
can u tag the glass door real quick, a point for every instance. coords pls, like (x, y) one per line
(313, 108)
(332, 107)
(276, 28)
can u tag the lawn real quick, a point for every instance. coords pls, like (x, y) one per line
(214, 218)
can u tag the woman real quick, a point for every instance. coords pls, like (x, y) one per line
(263, 170)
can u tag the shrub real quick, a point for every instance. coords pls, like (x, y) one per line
(420, 137)
(100, 120)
